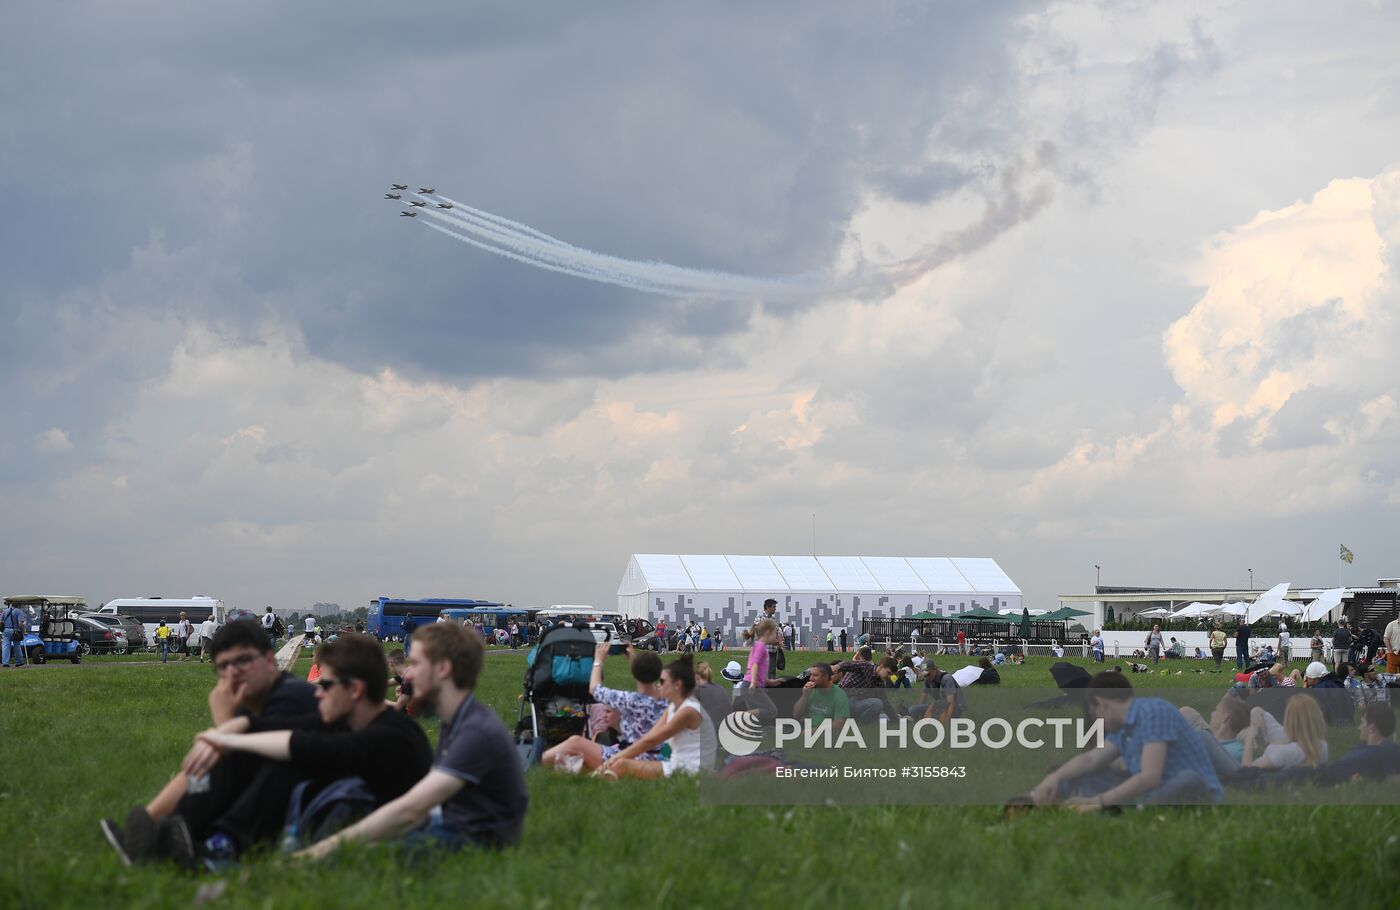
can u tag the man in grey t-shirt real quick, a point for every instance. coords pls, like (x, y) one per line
(942, 696)
(475, 793)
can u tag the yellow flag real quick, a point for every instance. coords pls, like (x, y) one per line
(1347, 556)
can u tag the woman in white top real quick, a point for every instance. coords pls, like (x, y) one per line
(1305, 744)
(684, 727)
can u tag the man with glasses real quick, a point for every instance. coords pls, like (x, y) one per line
(249, 685)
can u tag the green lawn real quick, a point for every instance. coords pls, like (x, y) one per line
(81, 742)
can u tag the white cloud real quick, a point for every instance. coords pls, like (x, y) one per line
(1286, 367)
(53, 442)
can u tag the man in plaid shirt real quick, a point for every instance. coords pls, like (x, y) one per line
(776, 660)
(1165, 760)
(863, 687)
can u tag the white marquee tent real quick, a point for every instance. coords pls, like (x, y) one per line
(815, 593)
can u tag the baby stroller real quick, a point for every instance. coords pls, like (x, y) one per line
(555, 703)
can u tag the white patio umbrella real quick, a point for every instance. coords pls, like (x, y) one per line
(1270, 602)
(1326, 602)
(1192, 610)
(1238, 608)
(1157, 611)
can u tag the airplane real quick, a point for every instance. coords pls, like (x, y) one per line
(418, 204)
(408, 214)
(426, 190)
(392, 196)
(398, 186)
(444, 205)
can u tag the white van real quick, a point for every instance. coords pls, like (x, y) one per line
(607, 625)
(149, 611)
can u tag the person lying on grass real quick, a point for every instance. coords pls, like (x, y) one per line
(684, 727)
(1304, 741)
(353, 734)
(1165, 759)
(1223, 734)
(638, 711)
(249, 685)
(475, 792)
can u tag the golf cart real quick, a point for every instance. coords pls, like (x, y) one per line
(51, 634)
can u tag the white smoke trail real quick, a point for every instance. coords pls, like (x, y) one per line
(522, 243)
(525, 244)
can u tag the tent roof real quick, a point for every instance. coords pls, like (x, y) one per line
(778, 574)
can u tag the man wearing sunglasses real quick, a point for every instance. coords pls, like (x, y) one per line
(249, 685)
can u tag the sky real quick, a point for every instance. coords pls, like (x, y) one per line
(1143, 313)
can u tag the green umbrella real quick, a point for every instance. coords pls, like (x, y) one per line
(1063, 614)
(925, 615)
(979, 613)
(1109, 617)
(1025, 631)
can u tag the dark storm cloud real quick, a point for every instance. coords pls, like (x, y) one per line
(255, 139)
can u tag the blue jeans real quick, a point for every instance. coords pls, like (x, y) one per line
(164, 650)
(866, 710)
(1181, 789)
(1241, 656)
(14, 641)
(434, 837)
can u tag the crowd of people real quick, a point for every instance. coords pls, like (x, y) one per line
(1158, 754)
(309, 765)
(1340, 644)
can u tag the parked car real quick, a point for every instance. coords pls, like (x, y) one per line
(135, 633)
(97, 638)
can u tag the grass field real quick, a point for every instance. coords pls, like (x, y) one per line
(78, 743)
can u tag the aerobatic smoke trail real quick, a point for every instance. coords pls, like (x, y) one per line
(524, 244)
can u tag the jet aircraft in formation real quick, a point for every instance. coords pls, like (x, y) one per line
(415, 204)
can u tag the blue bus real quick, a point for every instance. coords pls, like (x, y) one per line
(387, 615)
(491, 619)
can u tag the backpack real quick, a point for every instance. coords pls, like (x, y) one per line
(335, 806)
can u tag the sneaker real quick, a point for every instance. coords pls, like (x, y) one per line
(174, 842)
(1017, 807)
(218, 853)
(139, 835)
(113, 833)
